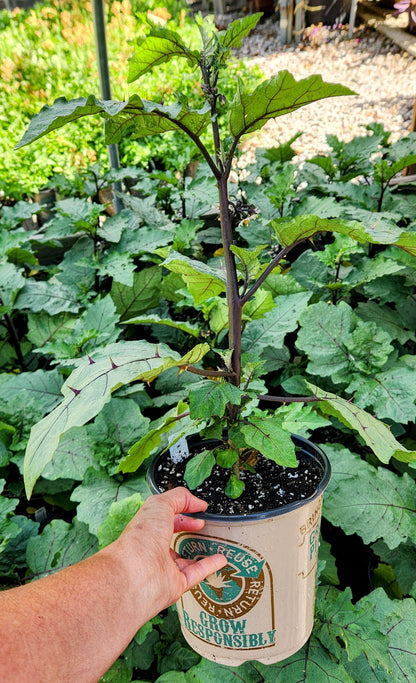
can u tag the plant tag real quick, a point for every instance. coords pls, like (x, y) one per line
(179, 451)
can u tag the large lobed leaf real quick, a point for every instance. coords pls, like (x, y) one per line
(139, 118)
(276, 96)
(378, 232)
(373, 503)
(135, 117)
(85, 392)
(60, 545)
(63, 111)
(374, 432)
(351, 629)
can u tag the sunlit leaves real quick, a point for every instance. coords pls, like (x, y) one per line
(276, 96)
(201, 280)
(159, 46)
(238, 29)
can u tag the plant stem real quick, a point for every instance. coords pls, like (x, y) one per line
(272, 265)
(209, 373)
(289, 399)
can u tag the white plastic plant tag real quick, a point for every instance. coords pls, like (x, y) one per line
(179, 451)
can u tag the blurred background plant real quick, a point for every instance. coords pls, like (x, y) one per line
(48, 51)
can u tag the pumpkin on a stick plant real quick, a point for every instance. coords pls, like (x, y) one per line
(224, 404)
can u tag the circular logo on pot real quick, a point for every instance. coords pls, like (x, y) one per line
(234, 590)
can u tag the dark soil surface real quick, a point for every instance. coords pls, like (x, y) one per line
(271, 487)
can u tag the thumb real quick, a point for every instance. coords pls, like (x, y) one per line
(198, 571)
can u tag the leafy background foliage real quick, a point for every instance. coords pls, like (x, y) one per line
(340, 312)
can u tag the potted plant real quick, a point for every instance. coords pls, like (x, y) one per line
(261, 606)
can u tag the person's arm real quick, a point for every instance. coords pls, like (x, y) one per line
(71, 626)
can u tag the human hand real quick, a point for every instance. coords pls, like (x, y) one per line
(146, 541)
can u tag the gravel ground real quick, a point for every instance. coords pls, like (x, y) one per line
(382, 75)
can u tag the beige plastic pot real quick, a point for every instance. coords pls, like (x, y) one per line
(261, 605)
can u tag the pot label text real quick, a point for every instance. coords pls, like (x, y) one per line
(228, 595)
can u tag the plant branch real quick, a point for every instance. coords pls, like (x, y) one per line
(209, 373)
(289, 399)
(272, 265)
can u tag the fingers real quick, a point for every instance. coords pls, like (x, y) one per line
(182, 500)
(182, 523)
(195, 572)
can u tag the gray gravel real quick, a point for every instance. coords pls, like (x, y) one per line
(382, 75)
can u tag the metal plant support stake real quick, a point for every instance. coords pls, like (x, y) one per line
(105, 87)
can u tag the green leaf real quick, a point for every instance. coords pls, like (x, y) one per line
(385, 318)
(62, 112)
(12, 281)
(113, 227)
(139, 118)
(73, 456)
(327, 569)
(83, 213)
(118, 426)
(374, 503)
(85, 392)
(43, 328)
(350, 628)
(119, 672)
(338, 343)
(199, 468)
(41, 389)
(268, 437)
(210, 398)
(238, 29)
(141, 450)
(273, 327)
(234, 487)
(98, 491)
(119, 266)
(374, 432)
(135, 300)
(259, 305)
(397, 619)
(188, 327)
(301, 419)
(312, 664)
(201, 280)
(15, 536)
(120, 514)
(59, 546)
(403, 562)
(50, 296)
(226, 457)
(391, 394)
(276, 96)
(158, 47)
(325, 330)
(304, 227)
(249, 260)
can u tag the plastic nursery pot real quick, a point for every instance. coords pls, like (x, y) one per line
(261, 605)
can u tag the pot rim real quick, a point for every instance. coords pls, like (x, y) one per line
(305, 446)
